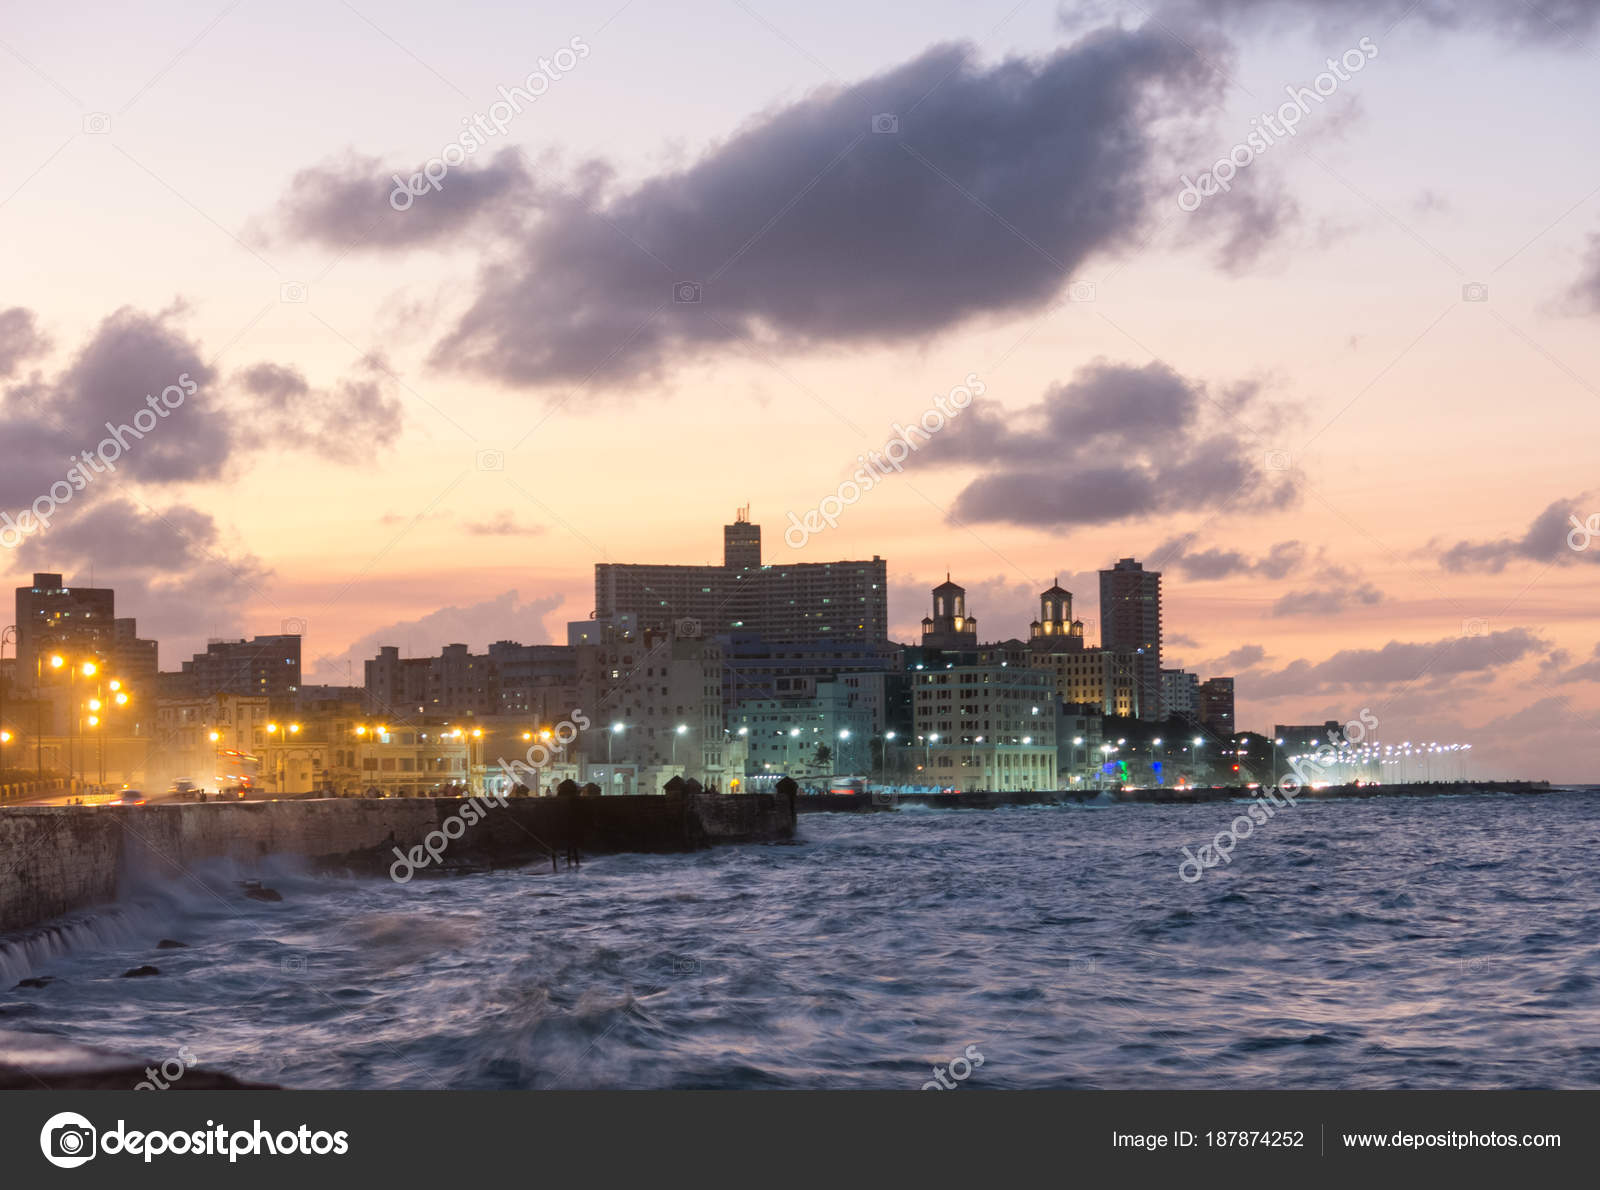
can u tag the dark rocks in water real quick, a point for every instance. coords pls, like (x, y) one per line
(37, 981)
(169, 944)
(139, 972)
(263, 894)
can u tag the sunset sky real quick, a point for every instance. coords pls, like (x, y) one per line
(1347, 406)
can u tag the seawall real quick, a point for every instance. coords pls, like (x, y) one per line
(59, 859)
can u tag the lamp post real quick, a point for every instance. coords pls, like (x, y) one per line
(280, 755)
(681, 729)
(616, 730)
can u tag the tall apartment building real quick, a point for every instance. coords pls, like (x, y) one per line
(789, 602)
(1180, 693)
(1130, 624)
(1216, 705)
(986, 726)
(55, 618)
(264, 666)
(655, 702)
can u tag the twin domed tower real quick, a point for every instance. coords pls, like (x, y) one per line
(950, 627)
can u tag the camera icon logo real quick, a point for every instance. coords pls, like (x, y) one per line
(1081, 291)
(67, 1140)
(491, 460)
(1474, 291)
(1475, 627)
(1279, 460)
(885, 122)
(292, 291)
(682, 966)
(686, 293)
(294, 964)
(97, 123)
(687, 628)
(294, 626)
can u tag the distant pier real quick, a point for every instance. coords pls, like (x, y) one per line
(979, 799)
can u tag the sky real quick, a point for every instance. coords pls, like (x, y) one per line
(707, 255)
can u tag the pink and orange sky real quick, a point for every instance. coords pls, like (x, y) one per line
(1345, 406)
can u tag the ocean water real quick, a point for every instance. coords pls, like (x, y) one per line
(1449, 942)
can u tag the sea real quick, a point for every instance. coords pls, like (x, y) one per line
(1448, 942)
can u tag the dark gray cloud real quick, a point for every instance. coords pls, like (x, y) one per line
(1435, 662)
(1115, 443)
(174, 568)
(1211, 563)
(1530, 20)
(345, 203)
(935, 192)
(20, 339)
(1549, 539)
(1585, 293)
(343, 423)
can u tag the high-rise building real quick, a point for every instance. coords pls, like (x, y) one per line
(1216, 705)
(1130, 624)
(789, 602)
(55, 618)
(265, 666)
(1180, 693)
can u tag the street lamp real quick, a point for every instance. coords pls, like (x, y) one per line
(680, 730)
(616, 730)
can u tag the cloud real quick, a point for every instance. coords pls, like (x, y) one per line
(138, 405)
(1340, 588)
(1244, 657)
(174, 569)
(344, 203)
(1585, 671)
(933, 193)
(20, 339)
(1115, 443)
(503, 524)
(1585, 292)
(1436, 661)
(356, 414)
(116, 376)
(1546, 540)
(1178, 554)
(505, 617)
(1526, 20)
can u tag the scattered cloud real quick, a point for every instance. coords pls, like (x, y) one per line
(1179, 554)
(1401, 662)
(1546, 540)
(357, 415)
(503, 524)
(1113, 444)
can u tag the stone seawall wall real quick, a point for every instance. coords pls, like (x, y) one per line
(57, 859)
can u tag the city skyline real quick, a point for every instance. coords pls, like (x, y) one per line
(370, 446)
